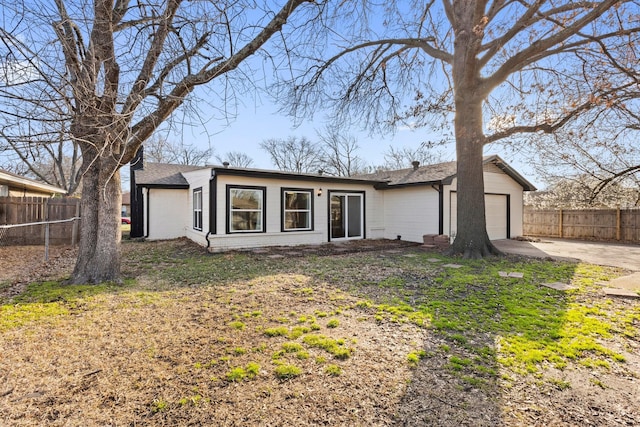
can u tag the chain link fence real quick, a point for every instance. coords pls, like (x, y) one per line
(47, 233)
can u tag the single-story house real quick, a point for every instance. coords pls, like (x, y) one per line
(125, 210)
(12, 185)
(223, 207)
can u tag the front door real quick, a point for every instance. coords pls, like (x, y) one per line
(346, 216)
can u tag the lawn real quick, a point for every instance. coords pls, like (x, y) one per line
(383, 337)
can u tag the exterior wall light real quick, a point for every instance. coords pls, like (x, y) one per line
(319, 192)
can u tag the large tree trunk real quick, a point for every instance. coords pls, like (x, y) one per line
(471, 239)
(99, 249)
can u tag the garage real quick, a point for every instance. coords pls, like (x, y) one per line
(497, 214)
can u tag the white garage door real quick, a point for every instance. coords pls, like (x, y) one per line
(496, 213)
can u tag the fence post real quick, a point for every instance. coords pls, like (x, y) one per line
(560, 223)
(618, 223)
(74, 228)
(46, 242)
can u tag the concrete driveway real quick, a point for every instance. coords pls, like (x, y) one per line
(611, 254)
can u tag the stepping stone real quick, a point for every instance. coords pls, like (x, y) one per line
(294, 253)
(453, 265)
(433, 260)
(624, 293)
(260, 251)
(428, 247)
(559, 286)
(275, 256)
(393, 251)
(410, 255)
(515, 274)
(630, 282)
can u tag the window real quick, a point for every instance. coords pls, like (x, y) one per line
(197, 209)
(246, 209)
(297, 210)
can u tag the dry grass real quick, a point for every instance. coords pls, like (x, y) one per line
(198, 340)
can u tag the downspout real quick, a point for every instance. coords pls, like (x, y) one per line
(148, 191)
(212, 213)
(440, 191)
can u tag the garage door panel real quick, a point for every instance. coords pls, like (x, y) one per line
(496, 212)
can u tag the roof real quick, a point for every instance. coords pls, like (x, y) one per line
(440, 173)
(24, 183)
(166, 175)
(264, 173)
(163, 175)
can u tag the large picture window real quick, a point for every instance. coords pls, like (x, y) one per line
(197, 209)
(246, 209)
(297, 210)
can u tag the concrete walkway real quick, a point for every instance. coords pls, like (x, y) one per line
(611, 254)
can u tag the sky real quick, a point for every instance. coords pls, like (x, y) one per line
(256, 122)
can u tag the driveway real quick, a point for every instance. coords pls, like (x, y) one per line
(611, 254)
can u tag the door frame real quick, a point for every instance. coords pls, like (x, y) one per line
(507, 197)
(363, 215)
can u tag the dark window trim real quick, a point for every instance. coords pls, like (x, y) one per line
(213, 194)
(283, 190)
(197, 190)
(364, 211)
(228, 210)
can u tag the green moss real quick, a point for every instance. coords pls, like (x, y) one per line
(287, 371)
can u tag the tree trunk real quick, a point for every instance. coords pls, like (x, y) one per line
(99, 249)
(471, 239)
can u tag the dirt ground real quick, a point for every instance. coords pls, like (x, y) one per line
(83, 363)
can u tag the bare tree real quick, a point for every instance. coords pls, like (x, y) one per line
(601, 156)
(525, 67)
(161, 150)
(51, 158)
(577, 193)
(401, 158)
(236, 159)
(115, 71)
(339, 152)
(293, 154)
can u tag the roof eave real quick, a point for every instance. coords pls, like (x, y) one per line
(496, 160)
(15, 181)
(256, 173)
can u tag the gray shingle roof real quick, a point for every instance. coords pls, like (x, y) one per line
(440, 173)
(163, 175)
(424, 174)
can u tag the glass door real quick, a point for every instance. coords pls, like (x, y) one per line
(346, 216)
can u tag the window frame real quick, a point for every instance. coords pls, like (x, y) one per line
(230, 210)
(197, 213)
(284, 210)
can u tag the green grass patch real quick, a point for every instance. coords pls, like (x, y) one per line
(285, 371)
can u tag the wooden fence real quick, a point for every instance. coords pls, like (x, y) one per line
(22, 210)
(621, 225)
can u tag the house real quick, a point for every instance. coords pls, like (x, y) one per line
(125, 210)
(223, 208)
(12, 185)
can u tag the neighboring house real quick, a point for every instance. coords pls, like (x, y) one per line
(228, 208)
(12, 185)
(125, 211)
